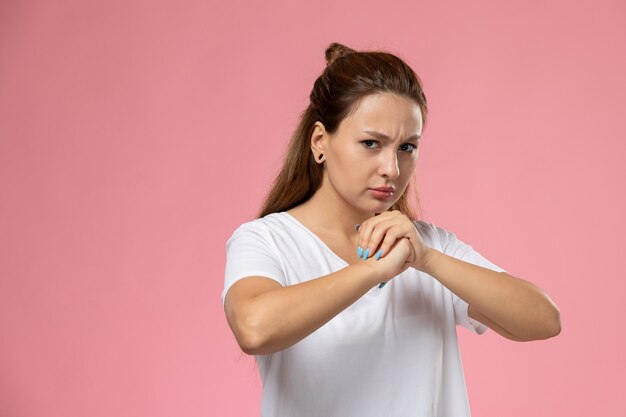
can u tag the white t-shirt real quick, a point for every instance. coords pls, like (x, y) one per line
(394, 352)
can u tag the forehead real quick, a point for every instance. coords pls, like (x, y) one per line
(387, 113)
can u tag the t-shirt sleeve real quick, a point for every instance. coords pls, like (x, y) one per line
(458, 249)
(250, 252)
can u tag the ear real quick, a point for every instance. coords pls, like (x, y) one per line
(318, 139)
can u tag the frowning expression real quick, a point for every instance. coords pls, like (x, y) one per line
(369, 160)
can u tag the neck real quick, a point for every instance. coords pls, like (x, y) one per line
(329, 213)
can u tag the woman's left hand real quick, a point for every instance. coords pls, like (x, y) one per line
(380, 232)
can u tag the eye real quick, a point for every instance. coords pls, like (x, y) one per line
(411, 147)
(369, 143)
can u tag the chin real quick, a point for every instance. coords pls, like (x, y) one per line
(382, 207)
(373, 206)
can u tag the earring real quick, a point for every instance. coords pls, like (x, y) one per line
(319, 158)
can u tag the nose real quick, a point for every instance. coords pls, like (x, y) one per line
(389, 165)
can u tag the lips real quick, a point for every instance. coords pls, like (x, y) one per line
(385, 189)
(383, 193)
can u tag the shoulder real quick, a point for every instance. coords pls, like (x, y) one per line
(262, 228)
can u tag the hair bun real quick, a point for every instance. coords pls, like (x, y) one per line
(336, 50)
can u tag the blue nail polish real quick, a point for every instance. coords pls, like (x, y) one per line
(366, 254)
(380, 252)
(382, 284)
(360, 251)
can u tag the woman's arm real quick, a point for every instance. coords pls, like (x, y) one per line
(516, 309)
(266, 317)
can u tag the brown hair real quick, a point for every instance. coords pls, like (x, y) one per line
(348, 77)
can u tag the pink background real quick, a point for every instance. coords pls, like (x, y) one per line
(136, 135)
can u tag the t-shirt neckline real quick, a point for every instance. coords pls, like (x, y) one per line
(314, 236)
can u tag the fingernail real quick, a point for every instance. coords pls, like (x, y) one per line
(360, 251)
(366, 254)
(380, 252)
(382, 284)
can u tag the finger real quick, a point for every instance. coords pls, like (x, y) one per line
(389, 235)
(416, 241)
(383, 232)
(372, 232)
(388, 242)
(412, 254)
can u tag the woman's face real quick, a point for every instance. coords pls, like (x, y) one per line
(375, 146)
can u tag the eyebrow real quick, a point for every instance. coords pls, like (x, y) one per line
(385, 137)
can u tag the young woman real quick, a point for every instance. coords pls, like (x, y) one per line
(347, 300)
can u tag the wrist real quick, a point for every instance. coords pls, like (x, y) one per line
(427, 262)
(368, 270)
